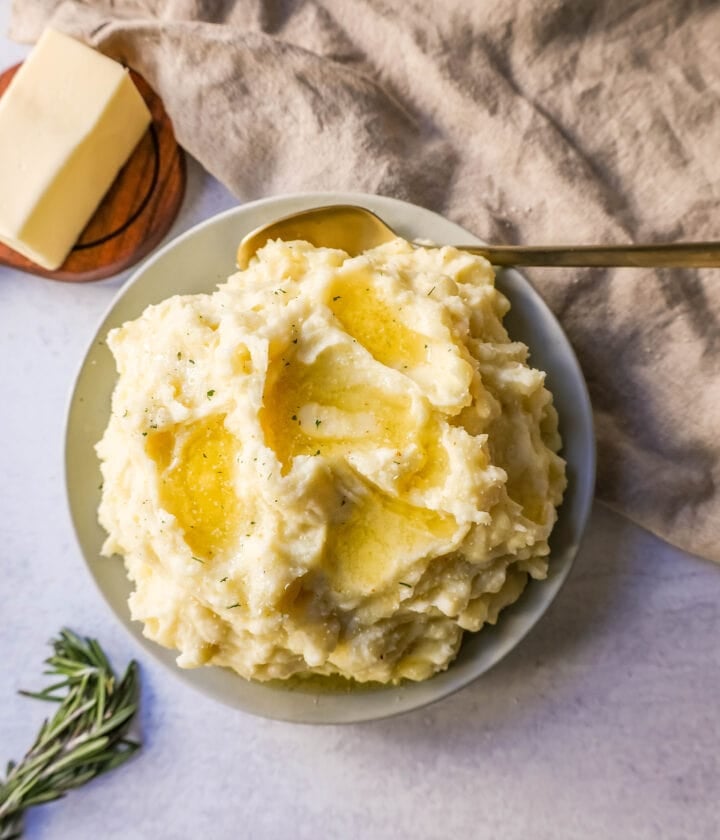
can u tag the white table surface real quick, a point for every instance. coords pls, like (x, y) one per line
(604, 723)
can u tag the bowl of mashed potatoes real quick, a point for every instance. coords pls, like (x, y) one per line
(329, 488)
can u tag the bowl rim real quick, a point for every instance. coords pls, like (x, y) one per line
(583, 494)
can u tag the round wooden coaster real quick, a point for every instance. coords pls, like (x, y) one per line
(136, 212)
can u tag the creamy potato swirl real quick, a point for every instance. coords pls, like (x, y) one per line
(330, 465)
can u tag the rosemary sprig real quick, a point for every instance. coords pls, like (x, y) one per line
(84, 738)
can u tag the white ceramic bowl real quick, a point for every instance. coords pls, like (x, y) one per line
(196, 262)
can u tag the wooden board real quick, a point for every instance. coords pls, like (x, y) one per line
(137, 211)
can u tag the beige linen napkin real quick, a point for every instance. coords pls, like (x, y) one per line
(526, 121)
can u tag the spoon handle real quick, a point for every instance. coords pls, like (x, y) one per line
(676, 255)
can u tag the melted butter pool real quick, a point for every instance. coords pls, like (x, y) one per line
(333, 407)
(379, 539)
(376, 325)
(196, 484)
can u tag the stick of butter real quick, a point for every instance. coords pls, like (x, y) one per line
(69, 120)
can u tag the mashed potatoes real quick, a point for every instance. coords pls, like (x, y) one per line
(331, 465)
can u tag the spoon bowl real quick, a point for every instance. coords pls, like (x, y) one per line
(355, 229)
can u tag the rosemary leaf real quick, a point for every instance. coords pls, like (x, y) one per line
(83, 739)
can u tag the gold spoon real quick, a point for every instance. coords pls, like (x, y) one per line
(356, 229)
